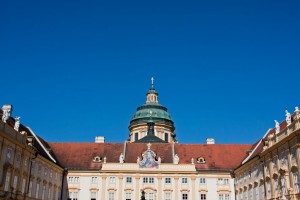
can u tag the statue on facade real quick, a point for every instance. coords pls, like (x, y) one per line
(159, 160)
(192, 161)
(104, 159)
(288, 117)
(277, 126)
(297, 109)
(176, 159)
(17, 123)
(143, 195)
(7, 109)
(121, 158)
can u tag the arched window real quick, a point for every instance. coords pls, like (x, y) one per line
(201, 160)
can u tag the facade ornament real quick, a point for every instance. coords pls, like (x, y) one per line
(288, 117)
(176, 159)
(138, 160)
(121, 158)
(17, 123)
(192, 161)
(159, 160)
(149, 144)
(277, 126)
(23, 133)
(297, 109)
(104, 159)
(7, 109)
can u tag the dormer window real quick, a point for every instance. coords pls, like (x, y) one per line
(201, 160)
(97, 159)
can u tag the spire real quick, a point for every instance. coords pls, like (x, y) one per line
(152, 95)
(152, 83)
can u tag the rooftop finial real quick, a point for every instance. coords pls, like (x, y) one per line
(152, 83)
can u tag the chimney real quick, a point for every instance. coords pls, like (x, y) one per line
(99, 139)
(210, 141)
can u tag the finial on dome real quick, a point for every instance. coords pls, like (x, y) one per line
(152, 95)
(152, 83)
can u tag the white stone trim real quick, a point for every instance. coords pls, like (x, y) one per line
(47, 152)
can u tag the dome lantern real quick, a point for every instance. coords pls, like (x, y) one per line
(152, 112)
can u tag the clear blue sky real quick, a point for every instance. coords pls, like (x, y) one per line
(77, 69)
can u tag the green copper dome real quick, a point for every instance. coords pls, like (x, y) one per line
(151, 112)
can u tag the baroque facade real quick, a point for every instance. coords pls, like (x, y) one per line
(271, 170)
(151, 164)
(28, 170)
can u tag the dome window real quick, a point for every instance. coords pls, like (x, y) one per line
(97, 159)
(201, 160)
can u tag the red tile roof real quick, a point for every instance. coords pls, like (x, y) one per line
(80, 155)
(217, 156)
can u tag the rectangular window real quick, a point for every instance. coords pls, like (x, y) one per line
(15, 185)
(7, 181)
(93, 195)
(49, 193)
(76, 179)
(296, 182)
(111, 196)
(37, 190)
(184, 180)
(151, 180)
(168, 180)
(226, 181)
(43, 193)
(112, 180)
(70, 179)
(221, 197)
(168, 196)
(184, 196)
(94, 179)
(136, 136)
(166, 137)
(75, 196)
(23, 185)
(30, 189)
(226, 196)
(202, 180)
(128, 195)
(202, 196)
(149, 196)
(70, 195)
(128, 179)
(145, 180)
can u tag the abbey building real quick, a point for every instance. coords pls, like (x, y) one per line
(150, 165)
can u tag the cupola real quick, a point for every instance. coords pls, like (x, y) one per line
(152, 112)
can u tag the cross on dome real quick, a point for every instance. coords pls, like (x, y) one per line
(152, 82)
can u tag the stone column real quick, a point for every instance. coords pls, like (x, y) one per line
(176, 187)
(193, 189)
(103, 187)
(159, 191)
(290, 180)
(137, 187)
(120, 187)
(271, 177)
